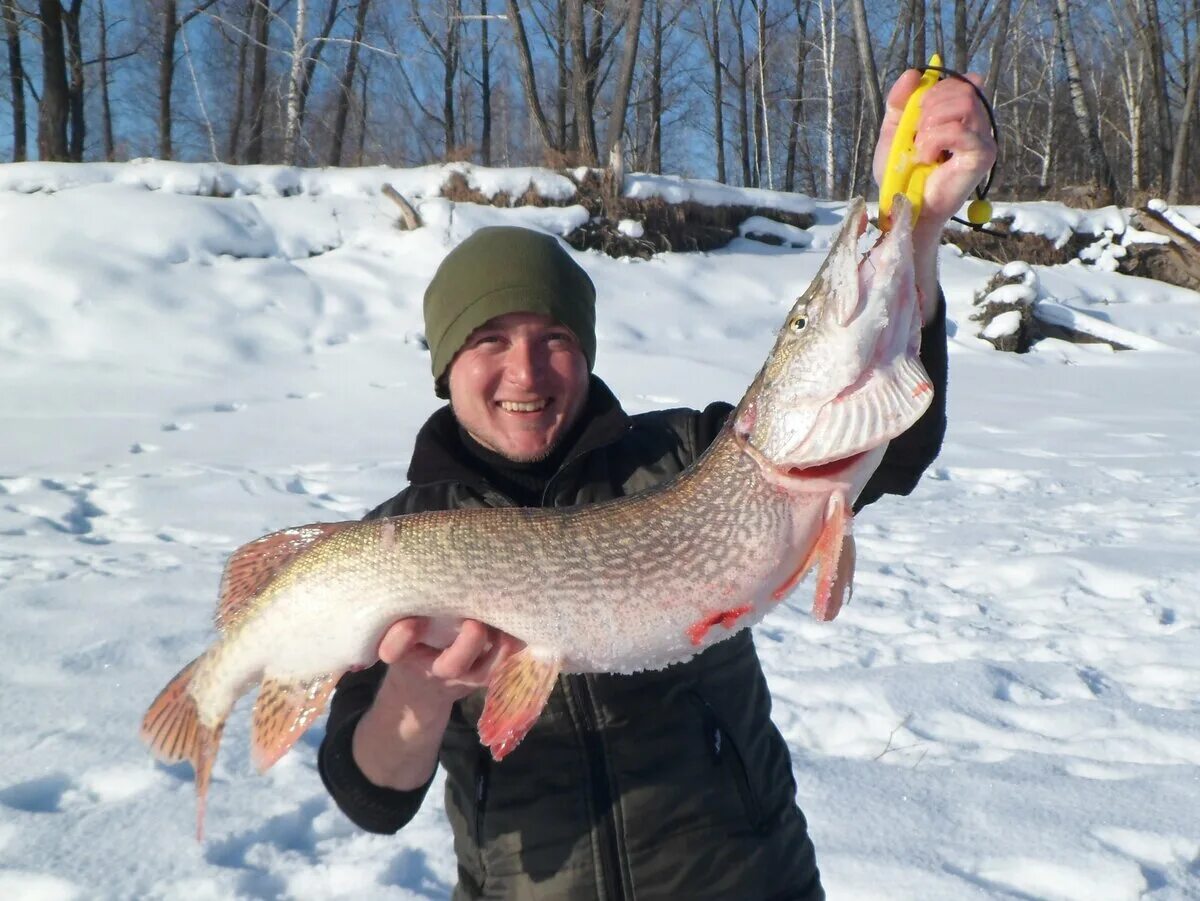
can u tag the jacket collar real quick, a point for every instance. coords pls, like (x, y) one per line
(439, 455)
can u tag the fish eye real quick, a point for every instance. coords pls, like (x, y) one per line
(799, 324)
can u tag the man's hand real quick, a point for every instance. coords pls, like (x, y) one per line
(954, 130)
(429, 667)
(450, 660)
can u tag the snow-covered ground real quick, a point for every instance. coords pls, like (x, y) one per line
(191, 356)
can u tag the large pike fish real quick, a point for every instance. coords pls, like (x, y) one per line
(630, 584)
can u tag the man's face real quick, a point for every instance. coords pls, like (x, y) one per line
(518, 384)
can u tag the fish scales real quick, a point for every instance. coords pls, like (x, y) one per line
(635, 583)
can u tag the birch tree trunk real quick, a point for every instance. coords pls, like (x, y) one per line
(291, 137)
(828, 26)
(1097, 160)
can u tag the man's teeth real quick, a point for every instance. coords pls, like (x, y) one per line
(528, 407)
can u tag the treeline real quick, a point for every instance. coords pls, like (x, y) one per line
(1094, 100)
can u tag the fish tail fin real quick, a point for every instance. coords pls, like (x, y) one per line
(172, 729)
(282, 713)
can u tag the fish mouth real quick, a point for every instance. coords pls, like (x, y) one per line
(830, 469)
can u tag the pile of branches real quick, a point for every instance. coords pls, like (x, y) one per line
(664, 226)
(1176, 262)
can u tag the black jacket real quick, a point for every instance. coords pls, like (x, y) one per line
(668, 784)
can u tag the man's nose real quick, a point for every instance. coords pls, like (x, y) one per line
(524, 363)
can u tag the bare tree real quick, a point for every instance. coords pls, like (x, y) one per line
(54, 107)
(291, 135)
(16, 78)
(866, 59)
(77, 127)
(801, 9)
(346, 89)
(1084, 118)
(528, 77)
(172, 24)
(446, 48)
(1191, 98)
(633, 26)
(260, 36)
(582, 80)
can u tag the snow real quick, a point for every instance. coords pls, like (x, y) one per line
(1008, 708)
(1005, 324)
(1177, 218)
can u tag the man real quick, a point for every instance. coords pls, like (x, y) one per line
(671, 784)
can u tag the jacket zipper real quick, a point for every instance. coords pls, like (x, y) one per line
(482, 772)
(721, 745)
(611, 876)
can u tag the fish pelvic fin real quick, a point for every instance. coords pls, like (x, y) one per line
(252, 566)
(172, 729)
(515, 698)
(283, 712)
(834, 555)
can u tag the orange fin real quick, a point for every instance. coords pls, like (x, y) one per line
(172, 729)
(515, 698)
(817, 552)
(835, 553)
(252, 566)
(282, 713)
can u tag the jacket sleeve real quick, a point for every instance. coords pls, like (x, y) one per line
(910, 454)
(369, 806)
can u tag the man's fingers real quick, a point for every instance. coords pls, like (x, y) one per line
(473, 639)
(898, 96)
(948, 138)
(400, 637)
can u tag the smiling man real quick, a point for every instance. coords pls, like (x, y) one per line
(671, 784)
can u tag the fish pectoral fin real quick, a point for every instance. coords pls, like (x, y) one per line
(834, 554)
(515, 698)
(282, 713)
(824, 549)
(172, 729)
(252, 566)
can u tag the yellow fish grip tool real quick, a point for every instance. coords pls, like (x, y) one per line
(904, 175)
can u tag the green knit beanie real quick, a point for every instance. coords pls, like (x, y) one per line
(505, 269)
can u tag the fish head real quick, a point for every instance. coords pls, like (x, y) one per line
(844, 376)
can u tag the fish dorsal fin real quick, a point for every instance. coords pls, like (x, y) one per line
(253, 565)
(282, 712)
(515, 698)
